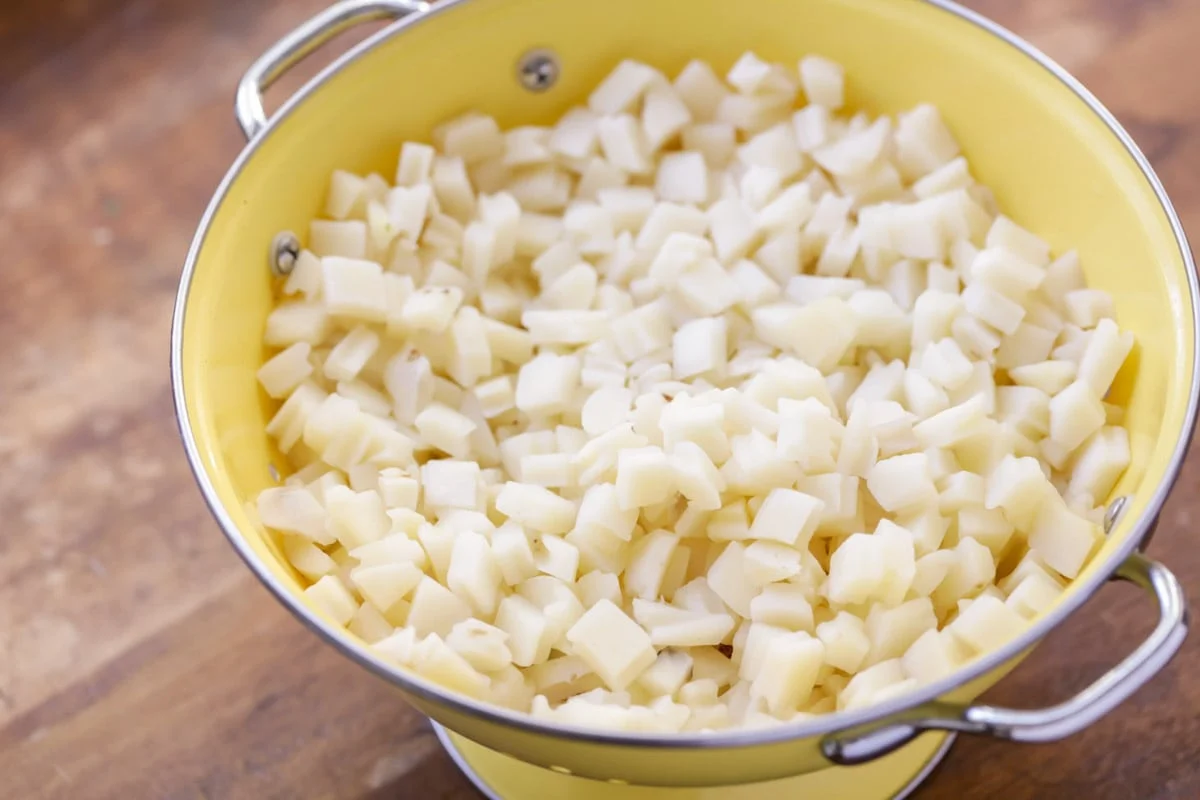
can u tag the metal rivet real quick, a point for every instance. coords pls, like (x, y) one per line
(538, 70)
(1116, 509)
(285, 247)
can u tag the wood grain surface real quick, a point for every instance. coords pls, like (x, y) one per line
(139, 659)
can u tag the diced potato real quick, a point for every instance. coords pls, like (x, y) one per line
(934, 655)
(867, 686)
(787, 516)
(1062, 538)
(679, 374)
(536, 508)
(784, 605)
(612, 644)
(330, 595)
(878, 566)
(789, 672)
(727, 578)
(893, 630)
(986, 624)
(1075, 414)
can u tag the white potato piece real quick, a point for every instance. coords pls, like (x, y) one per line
(612, 644)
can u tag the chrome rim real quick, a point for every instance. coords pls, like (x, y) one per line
(724, 739)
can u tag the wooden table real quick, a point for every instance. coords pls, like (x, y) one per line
(138, 658)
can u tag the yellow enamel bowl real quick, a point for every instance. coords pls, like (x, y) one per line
(1058, 162)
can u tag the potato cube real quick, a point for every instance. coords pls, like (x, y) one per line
(601, 512)
(819, 333)
(536, 508)
(332, 599)
(649, 560)
(353, 288)
(612, 644)
(845, 640)
(700, 89)
(431, 308)
(867, 686)
(513, 554)
(1035, 594)
(445, 429)
(727, 578)
(989, 527)
(1018, 487)
(473, 574)
(451, 484)
(624, 144)
(973, 569)
(1062, 538)
(557, 558)
(623, 87)
(986, 624)
(668, 674)
(787, 516)
(1086, 307)
(294, 510)
(923, 143)
(893, 630)
(280, 375)
(355, 518)
(432, 658)
(370, 625)
(1075, 414)
(934, 655)
(645, 476)
(343, 239)
(823, 82)
(596, 586)
(902, 482)
(699, 346)
(527, 629)
(695, 476)
(384, 585)
(546, 384)
(436, 609)
(879, 565)
(855, 153)
(944, 363)
(391, 549)
(767, 561)
(931, 569)
(482, 646)
(995, 309)
(789, 672)
(784, 605)
(808, 434)
(682, 178)
(309, 560)
(1100, 463)
(1106, 351)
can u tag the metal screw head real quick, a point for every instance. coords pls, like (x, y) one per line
(538, 70)
(1114, 512)
(285, 247)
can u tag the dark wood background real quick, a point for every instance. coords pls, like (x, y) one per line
(138, 658)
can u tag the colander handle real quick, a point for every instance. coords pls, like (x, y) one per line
(1047, 724)
(299, 43)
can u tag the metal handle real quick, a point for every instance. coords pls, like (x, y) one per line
(1047, 724)
(296, 45)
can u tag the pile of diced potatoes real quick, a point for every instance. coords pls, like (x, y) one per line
(690, 411)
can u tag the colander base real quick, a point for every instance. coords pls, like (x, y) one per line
(501, 777)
